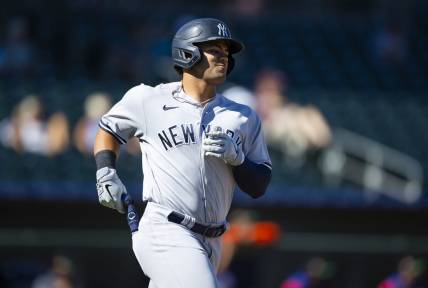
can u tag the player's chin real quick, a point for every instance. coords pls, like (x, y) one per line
(219, 75)
(218, 80)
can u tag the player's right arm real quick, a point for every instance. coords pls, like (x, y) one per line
(122, 122)
(109, 187)
(106, 141)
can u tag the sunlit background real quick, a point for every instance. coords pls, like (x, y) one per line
(341, 87)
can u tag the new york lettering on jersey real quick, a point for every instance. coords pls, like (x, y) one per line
(181, 134)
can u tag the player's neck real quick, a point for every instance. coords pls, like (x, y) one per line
(198, 89)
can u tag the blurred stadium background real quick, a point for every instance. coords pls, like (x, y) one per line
(341, 86)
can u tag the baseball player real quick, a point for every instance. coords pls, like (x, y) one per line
(196, 147)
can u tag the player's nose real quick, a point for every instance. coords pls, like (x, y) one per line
(223, 57)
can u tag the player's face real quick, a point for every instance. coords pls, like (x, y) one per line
(214, 63)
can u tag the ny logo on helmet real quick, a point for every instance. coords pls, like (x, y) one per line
(222, 30)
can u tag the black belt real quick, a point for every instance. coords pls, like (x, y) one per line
(207, 231)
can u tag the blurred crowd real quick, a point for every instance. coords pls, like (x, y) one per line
(295, 131)
(306, 149)
(33, 48)
(310, 67)
(29, 130)
(34, 52)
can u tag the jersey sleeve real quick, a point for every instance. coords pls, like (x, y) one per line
(126, 118)
(254, 145)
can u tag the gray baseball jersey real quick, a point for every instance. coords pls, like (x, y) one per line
(170, 126)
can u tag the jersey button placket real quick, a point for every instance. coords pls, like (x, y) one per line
(203, 176)
(205, 118)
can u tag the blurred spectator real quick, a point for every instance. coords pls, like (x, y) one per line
(316, 274)
(17, 55)
(244, 230)
(28, 131)
(96, 105)
(59, 276)
(410, 270)
(240, 95)
(292, 128)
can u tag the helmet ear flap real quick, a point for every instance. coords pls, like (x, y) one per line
(186, 57)
(231, 64)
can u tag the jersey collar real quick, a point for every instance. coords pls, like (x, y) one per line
(179, 95)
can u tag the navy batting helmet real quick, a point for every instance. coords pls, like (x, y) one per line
(186, 53)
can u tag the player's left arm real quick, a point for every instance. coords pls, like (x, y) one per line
(251, 165)
(118, 125)
(254, 174)
(252, 178)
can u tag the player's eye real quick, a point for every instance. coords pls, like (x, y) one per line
(217, 52)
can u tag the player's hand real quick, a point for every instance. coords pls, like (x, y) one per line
(110, 189)
(221, 145)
